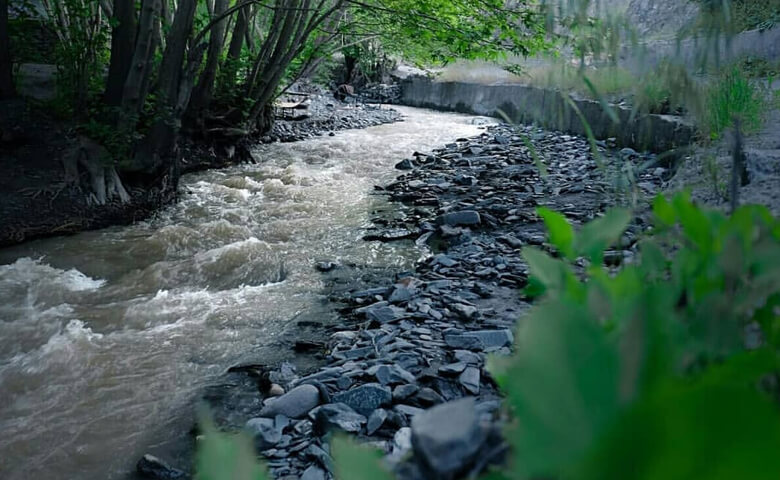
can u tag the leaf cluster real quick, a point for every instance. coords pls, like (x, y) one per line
(643, 372)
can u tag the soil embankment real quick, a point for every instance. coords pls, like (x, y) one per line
(46, 191)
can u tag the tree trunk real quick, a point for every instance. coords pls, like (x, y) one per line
(230, 67)
(156, 152)
(6, 65)
(201, 96)
(134, 89)
(122, 46)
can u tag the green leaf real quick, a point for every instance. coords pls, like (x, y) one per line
(682, 432)
(354, 462)
(664, 211)
(600, 233)
(223, 456)
(560, 231)
(562, 389)
(552, 273)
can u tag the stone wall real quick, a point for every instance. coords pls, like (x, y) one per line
(550, 109)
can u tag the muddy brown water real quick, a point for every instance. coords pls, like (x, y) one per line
(106, 337)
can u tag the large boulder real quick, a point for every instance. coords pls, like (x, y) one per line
(448, 437)
(294, 404)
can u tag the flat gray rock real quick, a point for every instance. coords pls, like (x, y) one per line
(447, 447)
(365, 398)
(294, 404)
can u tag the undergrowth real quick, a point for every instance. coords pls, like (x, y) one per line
(663, 368)
(733, 98)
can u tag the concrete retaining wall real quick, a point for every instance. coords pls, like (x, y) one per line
(548, 108)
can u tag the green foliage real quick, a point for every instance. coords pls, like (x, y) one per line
(641, 372)
(733, 97)
(223, 456)
(745, 14)
(355, 462)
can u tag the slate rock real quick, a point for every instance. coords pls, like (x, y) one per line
(391, 374)
(265, 432)
(402, 392)
(385, 314)
(470, 380)
(365, 398)
(376, 420)
(461, 218)
(480, 340)
(339, 415)
(448, 447)
(294, 404)
(313, 473)
(153, 468)
(405, 164)
(428, 396)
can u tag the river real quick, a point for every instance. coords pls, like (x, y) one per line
(108, 337)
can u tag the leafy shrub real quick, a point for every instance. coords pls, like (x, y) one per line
(641, 372)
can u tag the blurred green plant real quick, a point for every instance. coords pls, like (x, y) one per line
(732, 97)
(641, 372)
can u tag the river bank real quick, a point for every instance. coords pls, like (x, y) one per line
(111, 337)
(407, 353)
(44, 172)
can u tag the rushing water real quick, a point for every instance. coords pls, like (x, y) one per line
(107, 336)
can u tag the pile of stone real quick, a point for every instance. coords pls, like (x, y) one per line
(329, 117)
(381, 93)
(405, 369)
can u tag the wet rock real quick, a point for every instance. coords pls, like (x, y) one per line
(365, 398)
(339, 415)
(402, 441)
(453, 368)
(153, 468)
(314, 473)
(428, 397)
(276, 390)
(294, 404)
(444, 261)
(445, 446)
(324, 266)
(465, 312)
(376, 420)
(470, 380)
(406, 164)
(390, 374)
(402, 392)
(265, 432)
(480, 340)
(385, 314)
(461, 218)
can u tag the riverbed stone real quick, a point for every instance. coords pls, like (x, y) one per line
(265, 432)
(153, 468)
(480, 340)
(444, 445)
(470, 380)
(365, 398)
(376, 420)
(390, 374)
(461, 218)
(339, 415)
(314, 473)
(294, 404)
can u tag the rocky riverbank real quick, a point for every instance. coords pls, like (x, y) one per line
(408, 354)
(43, 173)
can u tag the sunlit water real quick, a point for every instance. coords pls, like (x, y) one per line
(107, 337)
